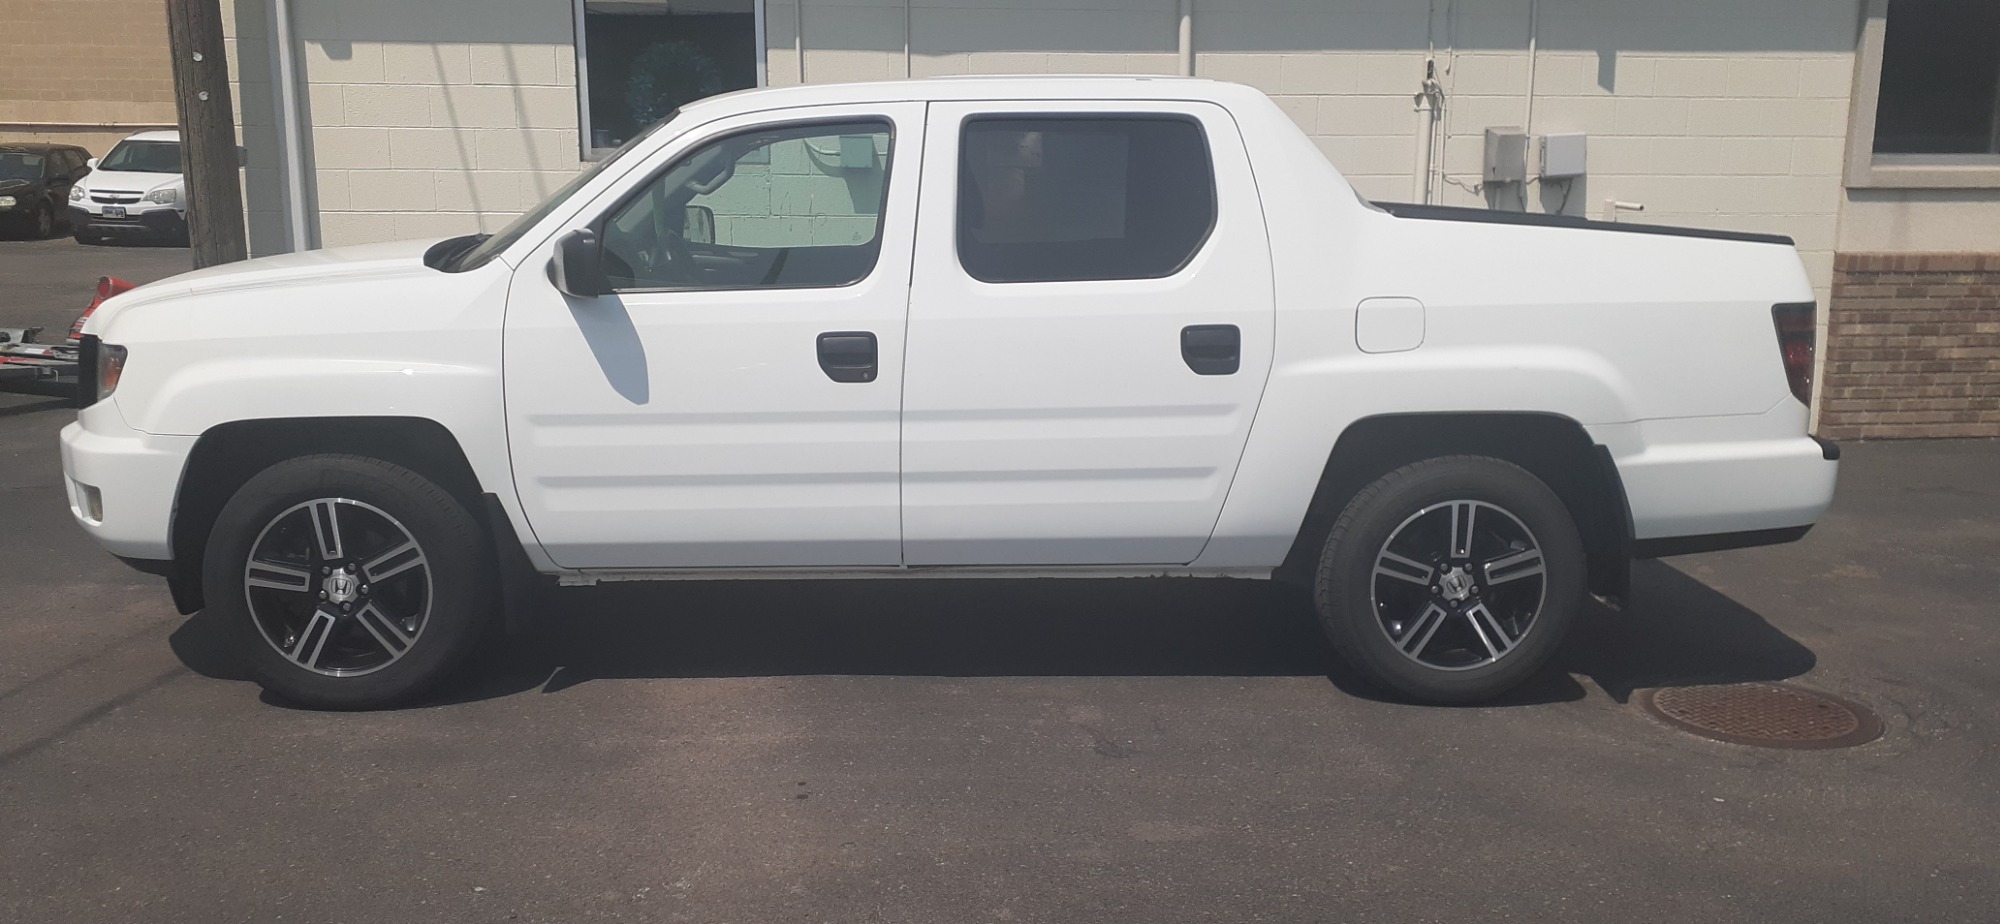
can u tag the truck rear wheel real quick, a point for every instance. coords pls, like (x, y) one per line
(350, 582)
(1451, 580)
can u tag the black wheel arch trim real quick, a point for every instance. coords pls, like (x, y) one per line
(1553, 447)
(227, 454)
(1716, 542)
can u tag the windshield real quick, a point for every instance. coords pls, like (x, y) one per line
(143, 157)
(15, 165)
(486, 249)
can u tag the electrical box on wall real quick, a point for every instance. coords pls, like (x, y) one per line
(1563, 156)
(1506, 155)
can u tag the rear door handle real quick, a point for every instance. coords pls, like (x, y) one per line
(848, 355)
(1212, 349)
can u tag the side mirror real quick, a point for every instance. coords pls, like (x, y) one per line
(577, 270)
(698, 224)
(91, 163)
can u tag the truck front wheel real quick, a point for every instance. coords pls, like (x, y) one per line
(350, 582)
(1451, 580)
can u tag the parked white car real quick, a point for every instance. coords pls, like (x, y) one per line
(135, 191)
(994, 327)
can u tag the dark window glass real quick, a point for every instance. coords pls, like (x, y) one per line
(1940, 78)
(786, 207)
(645, 58)
(20, 165)
(1100, 197)
(144, 157)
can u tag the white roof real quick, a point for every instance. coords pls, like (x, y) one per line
(933, 89)
(166, 134)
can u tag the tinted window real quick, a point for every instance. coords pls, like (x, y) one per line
(20, 165)
(144, 157)
(797, 206)
(1099, 197)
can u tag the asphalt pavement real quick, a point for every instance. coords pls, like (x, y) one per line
(954, 751)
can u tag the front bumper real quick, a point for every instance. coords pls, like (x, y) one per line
(160, 222)
(122, 482)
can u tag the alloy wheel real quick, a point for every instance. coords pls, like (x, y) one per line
(1458, 585)
(338, 587)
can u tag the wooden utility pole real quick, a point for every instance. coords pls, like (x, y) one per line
(208, 131)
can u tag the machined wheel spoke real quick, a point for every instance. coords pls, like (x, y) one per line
(1422, 629)
(1392, 565)
(326, 528)
(402, 557)
(278, 576)
(1514, 566)
(1489, 630)
(312, 640)
(1464, 514)
(385, 630)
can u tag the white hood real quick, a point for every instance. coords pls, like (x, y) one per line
(306, 267)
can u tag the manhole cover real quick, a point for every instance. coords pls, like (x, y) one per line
(1770, 715)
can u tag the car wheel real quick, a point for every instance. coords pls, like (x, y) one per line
(44, 223)
(82, 238)
(1451, 580)
(351, 583)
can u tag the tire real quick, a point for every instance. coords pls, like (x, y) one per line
(1426, 612)
(82, 238)
(43, 225)
(407, 614)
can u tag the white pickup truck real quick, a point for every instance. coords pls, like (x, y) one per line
(990, 327)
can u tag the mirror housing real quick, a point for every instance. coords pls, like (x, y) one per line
(698, 224)
(577, 269)
(91, 163)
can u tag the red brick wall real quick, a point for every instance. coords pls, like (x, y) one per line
(1913, 347)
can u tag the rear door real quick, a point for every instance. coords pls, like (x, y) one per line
(1090, 329)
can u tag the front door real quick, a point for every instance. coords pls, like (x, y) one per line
(734, 401)
(1090, 329)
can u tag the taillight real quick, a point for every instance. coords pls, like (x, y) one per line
(1797, 334)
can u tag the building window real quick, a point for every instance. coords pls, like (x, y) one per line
(1940, 91)
(1067, 198)
(639, 60)
(1926, 109)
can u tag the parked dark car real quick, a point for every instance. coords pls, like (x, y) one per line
(35, 181)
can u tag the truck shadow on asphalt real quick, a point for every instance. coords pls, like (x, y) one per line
(1677, 631)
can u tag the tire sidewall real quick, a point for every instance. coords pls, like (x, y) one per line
(1344, 590)
(460, 583)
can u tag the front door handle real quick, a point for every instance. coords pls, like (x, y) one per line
(848, 355)
(1212, 349)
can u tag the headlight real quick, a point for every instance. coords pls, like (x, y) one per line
(76, 194)
(110, 368)
(162, 195)
(6, 202)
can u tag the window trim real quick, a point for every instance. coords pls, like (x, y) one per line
(585, 152)
(603, 218)
(1208, 150)
(1869, 170)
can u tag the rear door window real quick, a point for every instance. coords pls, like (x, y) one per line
(1064, 198)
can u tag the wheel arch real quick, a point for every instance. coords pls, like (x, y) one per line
(227, 455)
(1552, 447)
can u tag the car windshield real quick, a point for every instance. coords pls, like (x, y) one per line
(143, 157)
(486, 249)
(16, 165)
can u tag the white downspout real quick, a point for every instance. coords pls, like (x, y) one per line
(1428, 99)
(291, 151)
(1534, 37)
(1187, 38)
(799, 36)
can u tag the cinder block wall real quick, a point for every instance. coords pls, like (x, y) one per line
(84, 72)
(1914, 349)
